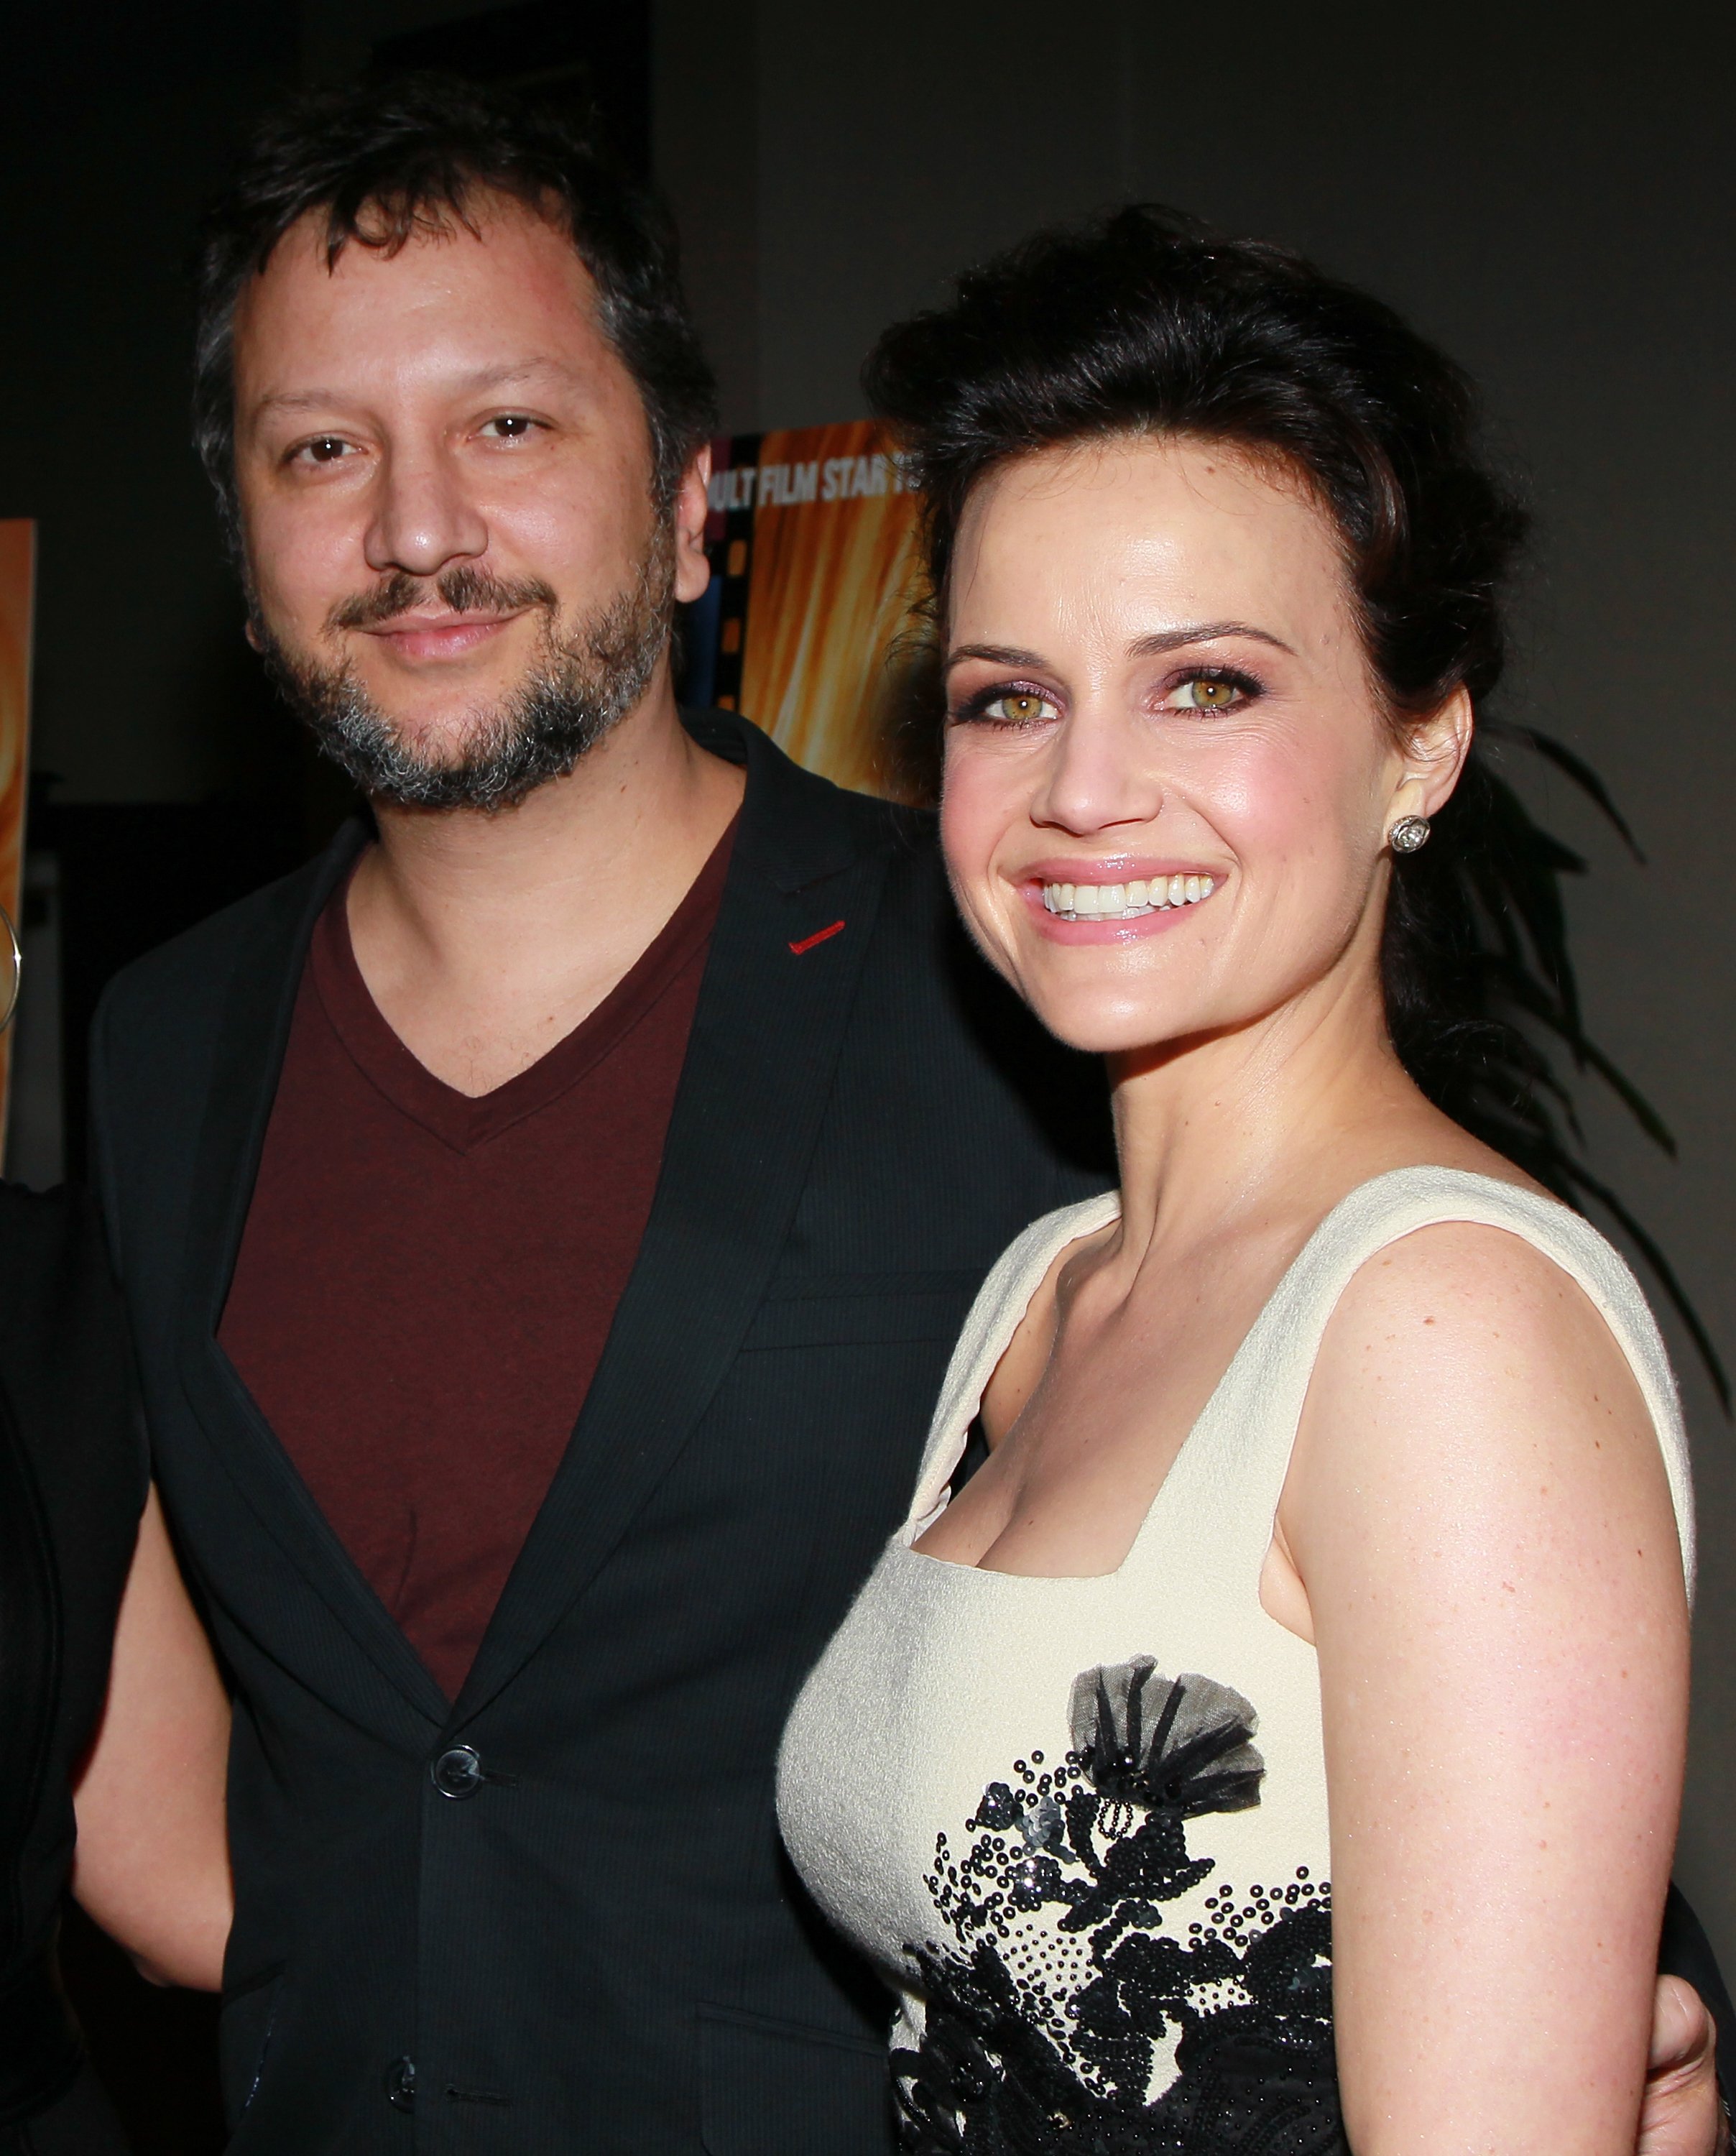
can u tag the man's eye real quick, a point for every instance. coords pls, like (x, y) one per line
(508, 427)
(324, 450)
(1018, 707)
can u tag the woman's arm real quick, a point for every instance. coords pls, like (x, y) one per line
(1479, 1517)
(152, 1865)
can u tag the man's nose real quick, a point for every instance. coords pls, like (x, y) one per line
(422, 519)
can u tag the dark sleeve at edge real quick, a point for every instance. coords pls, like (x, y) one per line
(1684, 1950)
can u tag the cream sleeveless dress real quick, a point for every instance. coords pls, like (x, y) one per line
(1080, 1824)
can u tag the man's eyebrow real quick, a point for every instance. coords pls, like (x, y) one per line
(1142, 647)
(509, 372)
(297, 400)
(510, 375)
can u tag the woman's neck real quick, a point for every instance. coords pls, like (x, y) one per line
(1226, 1126)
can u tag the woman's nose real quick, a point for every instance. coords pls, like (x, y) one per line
(1099, 773)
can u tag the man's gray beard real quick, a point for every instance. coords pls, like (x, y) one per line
(576, 693)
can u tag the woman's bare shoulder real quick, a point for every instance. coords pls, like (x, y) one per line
(1463, 1350)
(1016, 1375)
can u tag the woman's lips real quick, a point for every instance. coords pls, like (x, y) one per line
(1076, 903)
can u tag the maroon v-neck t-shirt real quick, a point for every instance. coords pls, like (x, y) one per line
(426, 1281)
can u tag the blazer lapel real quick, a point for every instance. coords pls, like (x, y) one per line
(797, 913)
(259, 1005)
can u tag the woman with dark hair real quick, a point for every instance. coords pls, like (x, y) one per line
(116, 1724)
(1277, 1743)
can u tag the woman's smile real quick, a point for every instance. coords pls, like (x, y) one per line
(1088, 900)
(1094, 902)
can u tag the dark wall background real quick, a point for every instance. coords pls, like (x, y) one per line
(114, 123)
(165, 780)
(1547, 190)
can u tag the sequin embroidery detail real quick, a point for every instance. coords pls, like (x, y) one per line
(1063, 2016)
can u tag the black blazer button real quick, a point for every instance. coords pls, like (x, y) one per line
(457, 1773)
(401, 2084)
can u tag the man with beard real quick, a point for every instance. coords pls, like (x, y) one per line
(546, 1217)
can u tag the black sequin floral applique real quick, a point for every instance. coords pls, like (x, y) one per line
(1046, 2037)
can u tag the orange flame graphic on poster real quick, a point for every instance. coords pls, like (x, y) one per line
(832, 584)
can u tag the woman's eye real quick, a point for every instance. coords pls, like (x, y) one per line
(1207, 692)
(508, 427)
(1018, 707)
(324, 450)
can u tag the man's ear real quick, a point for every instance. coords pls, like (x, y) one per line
(693, 571)
(254, 628)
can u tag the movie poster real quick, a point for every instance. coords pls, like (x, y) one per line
(18, 563)
(807, 627)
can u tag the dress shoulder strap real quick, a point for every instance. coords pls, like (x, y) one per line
(996, 1315)
(1232, 1468)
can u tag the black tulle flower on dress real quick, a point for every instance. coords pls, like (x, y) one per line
(1181, 1744)
(1079, 2012)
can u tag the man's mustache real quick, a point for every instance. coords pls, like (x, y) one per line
(463, 590)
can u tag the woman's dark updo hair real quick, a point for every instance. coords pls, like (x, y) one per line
(1146, 322)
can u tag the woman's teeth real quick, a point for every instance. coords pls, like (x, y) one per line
(1124, 901)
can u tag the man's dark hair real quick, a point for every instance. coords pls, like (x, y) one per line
(381, 164)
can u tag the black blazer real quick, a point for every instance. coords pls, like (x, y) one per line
(72, 1487)
(555, 1916)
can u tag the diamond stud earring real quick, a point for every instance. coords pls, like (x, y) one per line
(1409, 835)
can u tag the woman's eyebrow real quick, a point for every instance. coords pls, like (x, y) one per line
(994, 655)
(1142, 647)
(1201, 632)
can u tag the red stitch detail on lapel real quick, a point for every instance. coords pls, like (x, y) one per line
(820, 936)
